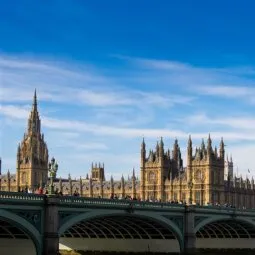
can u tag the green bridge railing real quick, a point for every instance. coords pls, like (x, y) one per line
(6, 197)
(81, 201)
(19, 197)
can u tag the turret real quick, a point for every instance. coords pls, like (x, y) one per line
(70, 184)
(247, 182)
(101, 188)
(203, 145)
(157, 150)
(209, 147)
(189, 151)
(228, 169)
(112, 186)
(133, 184)
(175, 150)
(97, 172)
(90, 187)
(168, 154)
(8, 180)
(252, 183)
(216, 152)
(222, 149)
(133, 174)
(122, 184)
(143, 152)
(241, 181)
(161, 148)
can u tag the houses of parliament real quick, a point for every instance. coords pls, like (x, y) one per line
(207, 178)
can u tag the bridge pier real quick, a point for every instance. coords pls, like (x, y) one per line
(189, 239)
(51, 222)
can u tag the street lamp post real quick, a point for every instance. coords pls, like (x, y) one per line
(53, 168)
(190, 185)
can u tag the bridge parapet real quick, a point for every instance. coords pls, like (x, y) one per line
(125, 204)
(6, 197)
(223, 210)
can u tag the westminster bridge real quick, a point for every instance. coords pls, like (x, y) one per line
(40, 224)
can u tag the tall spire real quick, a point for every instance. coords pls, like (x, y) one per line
(209, 143)
(161, 142)
(190, 142)
(143, 145)
(222, 148)
(189, 149)
(203, 145)
(161, 148)
(32, 153)
(34, 102)
(34, 123)
(133, 175)
(143, 152)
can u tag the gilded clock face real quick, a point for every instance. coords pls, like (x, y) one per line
(199, 176)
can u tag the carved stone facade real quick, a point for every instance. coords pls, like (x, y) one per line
(32, 157)
(207, 178)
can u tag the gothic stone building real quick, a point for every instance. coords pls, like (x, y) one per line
(207, 178)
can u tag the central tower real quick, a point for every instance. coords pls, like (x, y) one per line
(32, 154)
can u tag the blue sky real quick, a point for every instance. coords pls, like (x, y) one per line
(110, 72)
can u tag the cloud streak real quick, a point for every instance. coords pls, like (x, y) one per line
(104, 130)
(109, 110)
(59, 83)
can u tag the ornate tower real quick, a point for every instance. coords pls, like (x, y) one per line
(32, 154)
(97, 172)
(228, 169)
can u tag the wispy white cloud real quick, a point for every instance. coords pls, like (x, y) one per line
(146, 97)
(227, 91)
(224, 82)
(60, 83)
(155, 64)
(14, 111)
(108, 130)
(236, 122)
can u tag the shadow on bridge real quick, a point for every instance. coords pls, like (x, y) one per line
(14, 239)
(226, 234)
(132, 233)
(120, 233)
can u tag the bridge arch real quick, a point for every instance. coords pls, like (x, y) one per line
(226, 232)
(223, 218)
(122, 225)
(11, 222)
